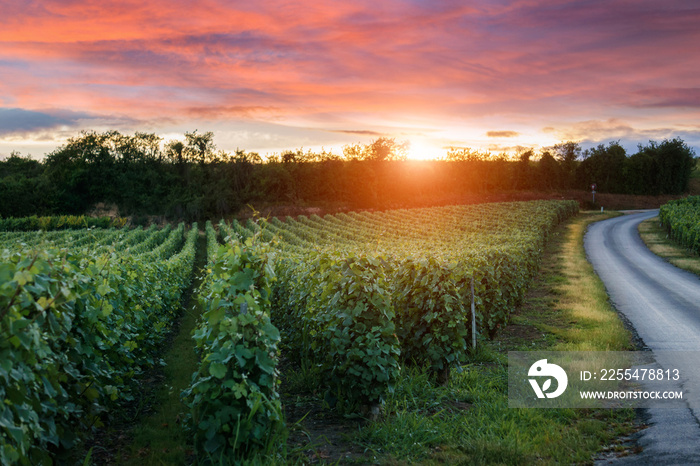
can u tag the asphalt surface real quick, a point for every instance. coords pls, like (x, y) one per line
(662, 304)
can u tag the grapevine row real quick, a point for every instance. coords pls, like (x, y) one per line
(75, 327)
(682, 220)
(233, 400)
(361, 293)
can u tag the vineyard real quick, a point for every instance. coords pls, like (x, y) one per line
(62, 222)
(360, 295)
(81, 313)
(681, 218)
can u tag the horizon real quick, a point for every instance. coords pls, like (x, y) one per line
(276, 76)
(411, 153)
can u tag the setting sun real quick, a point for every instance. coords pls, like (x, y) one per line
(421, 149)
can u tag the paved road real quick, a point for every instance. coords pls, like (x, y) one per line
(662, 303)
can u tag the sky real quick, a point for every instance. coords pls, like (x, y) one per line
(268, 76)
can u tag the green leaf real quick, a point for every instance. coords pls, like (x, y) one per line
(217, 370)
(107, 309)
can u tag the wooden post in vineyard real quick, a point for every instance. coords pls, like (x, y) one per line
(473, 318)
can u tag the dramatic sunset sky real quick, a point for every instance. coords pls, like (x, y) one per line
(272, 75)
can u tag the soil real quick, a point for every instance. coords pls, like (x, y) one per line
(109, 443)
(319, 435)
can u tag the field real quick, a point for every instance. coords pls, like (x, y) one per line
(354, 303)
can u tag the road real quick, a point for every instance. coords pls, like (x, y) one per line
(662, 304)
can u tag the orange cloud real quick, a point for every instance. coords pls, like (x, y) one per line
(502, 134)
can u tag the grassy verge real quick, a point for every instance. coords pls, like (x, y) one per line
(658, 241)
(468, 421)
(588, 321)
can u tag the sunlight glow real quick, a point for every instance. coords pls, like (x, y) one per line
(422, 149)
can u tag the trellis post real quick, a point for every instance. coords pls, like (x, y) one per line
(473, 318)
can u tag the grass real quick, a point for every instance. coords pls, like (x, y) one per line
(657, 240)
(593, 325)
(469, 421)
(160, 438)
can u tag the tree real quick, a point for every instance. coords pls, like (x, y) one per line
(23, 188)
(523, 175)
(76, 168)
(381, 149)
(549, 171)
(466, 154)
(567, 153)
(251, 157)
(290, 156)
(200, 148)
(604, 166)
(354, 152)
(673, 163)
(149, 145)
(388, 149)
(639, 174)
(175, 151)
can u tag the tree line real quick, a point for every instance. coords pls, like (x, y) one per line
(193, 180)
